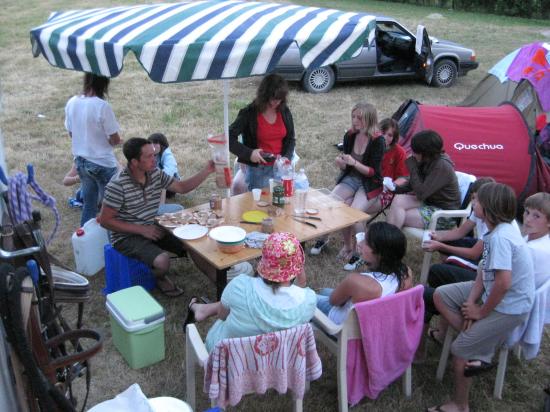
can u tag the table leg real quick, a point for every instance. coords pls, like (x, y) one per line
(218, 276)
(221, 281)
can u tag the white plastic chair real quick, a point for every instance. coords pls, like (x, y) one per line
(514, 342)
(464, 181)
(196, 354)
(335, 338)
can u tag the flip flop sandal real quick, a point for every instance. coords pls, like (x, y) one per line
(470, 371)
(173, 291)
(190, 318)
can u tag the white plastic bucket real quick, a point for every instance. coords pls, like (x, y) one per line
(88, 243)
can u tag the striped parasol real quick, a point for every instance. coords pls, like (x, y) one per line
(201, 40)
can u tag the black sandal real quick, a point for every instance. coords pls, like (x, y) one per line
(470, 371)
(190, 318)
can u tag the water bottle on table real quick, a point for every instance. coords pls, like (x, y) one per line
(301, 187)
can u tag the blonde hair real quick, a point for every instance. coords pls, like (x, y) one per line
(539, 201)
(369, 117)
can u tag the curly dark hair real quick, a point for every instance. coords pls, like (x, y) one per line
(390, 244)
(272, 86)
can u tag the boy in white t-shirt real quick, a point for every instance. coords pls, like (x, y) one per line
(487, 310)
(458, 243)
(536, 228)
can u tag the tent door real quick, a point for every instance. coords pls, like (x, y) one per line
(423, 55)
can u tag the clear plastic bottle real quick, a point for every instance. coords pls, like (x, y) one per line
(288, 180)
(301, 187)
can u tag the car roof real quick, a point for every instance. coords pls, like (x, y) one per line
(384, 18)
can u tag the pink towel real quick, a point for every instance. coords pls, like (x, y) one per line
(391, 328)
(280, 360)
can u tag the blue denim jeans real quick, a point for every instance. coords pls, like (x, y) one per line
(258, 177)
(93, 178)
(323, 300)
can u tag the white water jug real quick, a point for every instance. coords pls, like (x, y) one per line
(88, 243)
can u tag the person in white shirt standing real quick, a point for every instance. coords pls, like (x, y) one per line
(94, 131)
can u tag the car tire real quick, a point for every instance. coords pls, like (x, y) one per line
(319, 80)
(445, 73)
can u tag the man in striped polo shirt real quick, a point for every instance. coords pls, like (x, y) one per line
(130, 204)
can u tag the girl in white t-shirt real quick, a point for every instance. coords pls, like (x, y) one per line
(383, 249)
(93, 129)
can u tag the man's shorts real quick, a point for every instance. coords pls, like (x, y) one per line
(146, 250)
(485, 335)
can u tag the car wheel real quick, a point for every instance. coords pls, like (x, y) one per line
(445, 73)
(319, 80)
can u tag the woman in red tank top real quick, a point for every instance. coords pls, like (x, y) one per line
(267, 130)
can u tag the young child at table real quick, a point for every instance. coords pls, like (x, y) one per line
(488, 309)
(536, 228)
(383, 249)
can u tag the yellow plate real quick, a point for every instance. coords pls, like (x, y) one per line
(254, 216)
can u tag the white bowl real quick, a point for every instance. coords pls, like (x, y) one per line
(228, 234)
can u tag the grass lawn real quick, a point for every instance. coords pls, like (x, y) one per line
(33, 96)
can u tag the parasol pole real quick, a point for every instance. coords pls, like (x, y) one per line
(226, 123)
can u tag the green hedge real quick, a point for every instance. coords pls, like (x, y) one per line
(538, 9)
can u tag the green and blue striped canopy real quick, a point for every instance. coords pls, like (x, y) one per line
(200, 40)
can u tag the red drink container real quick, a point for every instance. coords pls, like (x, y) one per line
(288, 186)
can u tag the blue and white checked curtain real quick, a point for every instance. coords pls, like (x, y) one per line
(179, 42)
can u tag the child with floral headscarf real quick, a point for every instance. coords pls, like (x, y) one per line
(268, 302)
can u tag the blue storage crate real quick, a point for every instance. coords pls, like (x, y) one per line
(123, 272)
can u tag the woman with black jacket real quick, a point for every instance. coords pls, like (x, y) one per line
(360, 180)
(267, 131)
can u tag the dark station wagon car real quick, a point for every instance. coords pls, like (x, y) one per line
(394, 52)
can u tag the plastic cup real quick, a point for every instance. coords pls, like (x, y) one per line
(256, 194)
(271, 185)
(426, 237)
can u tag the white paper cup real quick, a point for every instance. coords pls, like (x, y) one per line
(426, 237)
(256, 194)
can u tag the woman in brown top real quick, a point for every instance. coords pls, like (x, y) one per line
(433, 181)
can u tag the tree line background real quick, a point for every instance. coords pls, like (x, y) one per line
(536, 9)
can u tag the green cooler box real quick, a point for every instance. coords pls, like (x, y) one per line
(137, 325)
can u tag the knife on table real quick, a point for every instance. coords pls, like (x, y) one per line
(249, 223)
(304, 222)
(307, 217)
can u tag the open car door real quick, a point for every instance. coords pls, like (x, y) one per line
(423, 55)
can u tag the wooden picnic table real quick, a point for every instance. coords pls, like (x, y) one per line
(334, 214)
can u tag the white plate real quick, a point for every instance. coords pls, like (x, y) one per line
(228, 234)
(190, 231)
(168, 224)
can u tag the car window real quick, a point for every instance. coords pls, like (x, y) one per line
(394, 30)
